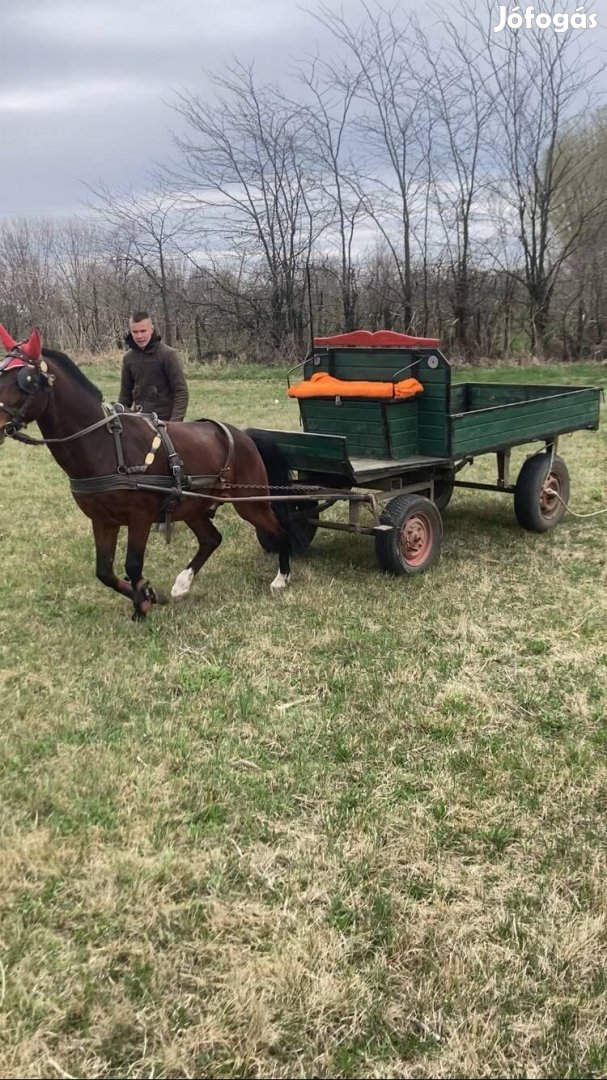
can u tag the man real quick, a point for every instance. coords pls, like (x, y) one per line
(152, 379)
(152, 375)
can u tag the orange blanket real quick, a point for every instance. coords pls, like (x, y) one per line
(323, 385)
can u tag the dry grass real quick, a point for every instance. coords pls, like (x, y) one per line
(359, 831)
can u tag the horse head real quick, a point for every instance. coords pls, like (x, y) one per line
(24, 378)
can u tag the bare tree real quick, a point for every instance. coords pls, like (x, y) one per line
(245, 166)
(392, 180)
(460, 106)
(332, 93)
(148, 231)
(537, 83)
(583, 295)
(28, 288)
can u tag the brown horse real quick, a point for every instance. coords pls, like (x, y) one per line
(107, 454)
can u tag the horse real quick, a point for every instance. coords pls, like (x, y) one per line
(107, 453)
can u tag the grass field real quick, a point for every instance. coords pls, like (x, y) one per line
(358, 830)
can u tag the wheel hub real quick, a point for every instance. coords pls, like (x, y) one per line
(550, 495)
(416, 539)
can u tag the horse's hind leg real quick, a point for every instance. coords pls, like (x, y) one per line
(106, 537)
(261, 516)
(209, 539)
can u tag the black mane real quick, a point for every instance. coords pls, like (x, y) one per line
(74, 371)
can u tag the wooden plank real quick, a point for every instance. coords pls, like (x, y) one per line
(324, 445)
(432, 431)
(381, 364)
(534, 428)
(519, 430)
(351, 410)
(525, 415)
(536, 407)
(550, 400)
(318, 407)
(334, 422)
(402, 423)
(484, 447)
(365, 470)
(487, 395)
(402, 449)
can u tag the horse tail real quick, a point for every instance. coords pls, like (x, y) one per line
(277, 469)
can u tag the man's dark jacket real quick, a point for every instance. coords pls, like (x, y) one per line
(153, 380)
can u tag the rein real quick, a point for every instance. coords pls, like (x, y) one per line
(20, 436)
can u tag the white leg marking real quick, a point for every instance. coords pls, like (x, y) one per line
(182, 585)
(280, 581)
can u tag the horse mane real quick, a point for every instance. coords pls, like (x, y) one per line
(72, 369)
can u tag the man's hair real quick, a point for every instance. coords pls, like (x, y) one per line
(139, 316)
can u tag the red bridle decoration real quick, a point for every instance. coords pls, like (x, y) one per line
(31, 348)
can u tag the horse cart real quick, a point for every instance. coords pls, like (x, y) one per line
(396, 461)
(392, 448)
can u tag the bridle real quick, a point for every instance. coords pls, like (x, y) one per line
(32, 378)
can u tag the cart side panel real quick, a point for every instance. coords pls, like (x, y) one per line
(359, 422)
(315, 453)
(433, 405)
(526, 421)
(487, 395)
(402, 426)
(377, 429)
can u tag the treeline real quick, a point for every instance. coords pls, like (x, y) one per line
(448, 184)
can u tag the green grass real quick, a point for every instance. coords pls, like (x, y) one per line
(358, 830)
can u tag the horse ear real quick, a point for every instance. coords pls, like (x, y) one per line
(6, 339)
(33, 347)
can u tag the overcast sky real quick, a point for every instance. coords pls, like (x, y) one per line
(85, 84)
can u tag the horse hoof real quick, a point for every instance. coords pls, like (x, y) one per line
(280, 582)
(160, 598)
(182, 584)
(138, 616)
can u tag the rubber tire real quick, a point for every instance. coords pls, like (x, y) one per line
(302, 532)
(443, 489)
(389, 546)
(528, 492)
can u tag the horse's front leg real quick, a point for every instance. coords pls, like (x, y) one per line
(209, 539)
(143, 595)
(106, 537)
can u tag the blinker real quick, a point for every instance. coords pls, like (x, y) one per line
(27, 380)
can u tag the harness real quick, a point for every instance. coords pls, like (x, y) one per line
(32, 378)
(137, 478)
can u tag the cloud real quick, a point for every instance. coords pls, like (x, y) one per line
(69, 96)
(149, 23)
(85, 83)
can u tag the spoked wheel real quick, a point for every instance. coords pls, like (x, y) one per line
(414, 543)
(301, 531)
(541, 493)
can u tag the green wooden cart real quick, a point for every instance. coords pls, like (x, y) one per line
(396, 462)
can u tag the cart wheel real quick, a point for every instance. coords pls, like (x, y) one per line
(302, 532)
(541, 492)
(443, 489)
(414, 544)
